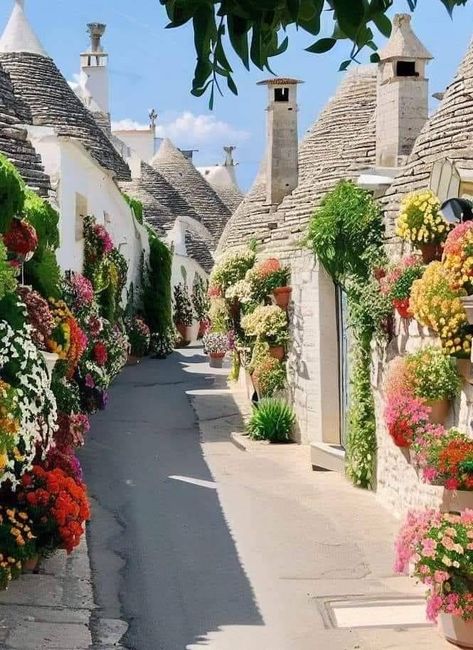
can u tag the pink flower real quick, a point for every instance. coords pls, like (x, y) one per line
(429, 474)
(452, 484)
(428, 547)
(448, 543)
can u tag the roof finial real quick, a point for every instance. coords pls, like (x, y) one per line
(153, 116)
(229, 162)
(18, 35)
(96, 31)
(20, 3)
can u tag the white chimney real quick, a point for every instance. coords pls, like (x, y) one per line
(94, 72)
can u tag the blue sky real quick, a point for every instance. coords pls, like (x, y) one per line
(152, 67)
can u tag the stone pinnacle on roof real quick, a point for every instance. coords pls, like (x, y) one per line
(403, 43)
(18, 35)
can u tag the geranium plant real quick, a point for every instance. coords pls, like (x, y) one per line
(267, 322)
(398, 281)
(420, 220)
(139, 336)
(267, 276)
(405, 417)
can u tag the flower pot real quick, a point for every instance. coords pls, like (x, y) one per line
(132, 360)
(440, 410)
(30, 566)
(468, 306)
(216, 359)
(50, 359)
(277, 352)
(402, 308)
(202, 328)
(456, 630)
(456, 500)
(282, 296)
(430, 252)
(464, 370)
(185, 331)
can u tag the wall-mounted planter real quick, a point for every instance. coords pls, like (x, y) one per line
(457, 500)
(440, 410)
(456, 630)
(468, 305)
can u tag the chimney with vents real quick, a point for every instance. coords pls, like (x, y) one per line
(94, 72)
(282, 139)
(402, 106)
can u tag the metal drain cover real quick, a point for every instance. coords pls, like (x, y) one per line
(381, 611)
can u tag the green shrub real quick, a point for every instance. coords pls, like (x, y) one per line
(434, 375)
(272, 419)
(136, 206)
(7, 273)
(183, 312)
(12, 193)
(157, 299)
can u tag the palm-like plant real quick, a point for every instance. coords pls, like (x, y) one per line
(272, 419)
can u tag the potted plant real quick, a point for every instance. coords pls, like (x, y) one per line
(268, 376)
(268, 323)
(18, 545)
(139, 336)
(271, 278)
(201, 304)
(216, 344)
(435, 380)
(396, 284)
(446, 458)
(421, 223)
(271, 419)
(183, 313)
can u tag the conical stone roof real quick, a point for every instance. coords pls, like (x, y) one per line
(222, 179)
(447, 134)
(49, 101)
(341, 141)
(184, 177)
(199, 251)
(14, 143)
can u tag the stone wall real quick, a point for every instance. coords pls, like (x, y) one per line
(398, 486)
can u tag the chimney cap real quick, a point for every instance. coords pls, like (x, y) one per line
(403, 43)
(279, 81)
(96, 31)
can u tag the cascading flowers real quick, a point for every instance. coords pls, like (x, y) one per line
(67, 340)
(268, 323)
(39, 316)
(458, 256)
(420, 220)
(232, 267)
(397, 283)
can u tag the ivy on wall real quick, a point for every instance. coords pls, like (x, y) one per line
(346, 235)
(136, 206)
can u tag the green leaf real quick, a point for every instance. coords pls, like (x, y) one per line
(349, 15)
(321, 46)
(344, 66)
(238, 34)
(374, 58)
(232, 86)
(383, 24)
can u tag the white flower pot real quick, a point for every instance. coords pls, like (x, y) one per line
(456, 630)
(50, 359)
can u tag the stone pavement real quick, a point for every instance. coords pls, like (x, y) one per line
(306, 540)
(54, 609)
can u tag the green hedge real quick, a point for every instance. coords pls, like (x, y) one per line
(157, 300)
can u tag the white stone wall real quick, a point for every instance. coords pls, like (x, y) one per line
(398, 486)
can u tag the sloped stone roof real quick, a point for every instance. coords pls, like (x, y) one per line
(341, 141)
(199, 251)
(184, 177)
(48, 100)
(222, 179)
(14, 143)
(447, 134)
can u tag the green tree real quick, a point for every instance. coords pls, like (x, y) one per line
(254, 30)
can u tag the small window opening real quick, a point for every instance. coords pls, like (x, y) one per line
(281, 94)
(406, 69)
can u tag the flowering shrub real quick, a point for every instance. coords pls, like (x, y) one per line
(218, 315)
(71, 430)
(412, 531)
(57, 506)
(267, 276)
(433, 375)
(183, 313)
(267, 322)
(270, 375)
(458, 256)
(78, 292)
(39, 316)
(97, 240)
(17, 543)
(444, 562)
(214, 291)
(21, 238)
(232, 267)
(405, 416)
(420, 220)
(398, 281)
(139, 336)
(215, 343)
(444, 458)
(241, 291)
(435, 303)
(200, 299)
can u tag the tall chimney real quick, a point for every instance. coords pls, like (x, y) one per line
(282, 169)
(403, 103)
(94, 71)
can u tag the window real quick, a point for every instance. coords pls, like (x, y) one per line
(281, 94)
(81, 213)
(406, 69)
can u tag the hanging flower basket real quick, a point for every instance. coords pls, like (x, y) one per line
(456, 630)
(21, 239)
(282, 296)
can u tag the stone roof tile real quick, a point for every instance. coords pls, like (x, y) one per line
(199, 251)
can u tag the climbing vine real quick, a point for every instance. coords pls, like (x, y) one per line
(346, 235)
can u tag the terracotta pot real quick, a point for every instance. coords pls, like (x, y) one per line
(456, 500)
(464, 369)
(440, 410)
(282, 296)
(132, 360)
(185, 331)
(456, 630)
(202, 326)
(468, 305)
(31, 565)
(402, 308)
(277, 352)
(216, 359)
(430, 252)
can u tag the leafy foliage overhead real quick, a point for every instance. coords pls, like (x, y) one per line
(254, 30)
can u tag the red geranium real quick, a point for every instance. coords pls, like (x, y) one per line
(100, 353)
(57, 505)
(21, 239)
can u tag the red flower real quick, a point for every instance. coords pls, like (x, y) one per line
(402, 307)
(100, 353)
(21, 238)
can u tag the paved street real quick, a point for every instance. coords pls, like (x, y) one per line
(197, 542)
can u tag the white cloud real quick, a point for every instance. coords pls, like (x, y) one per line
(128, 125)
(188, 130)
